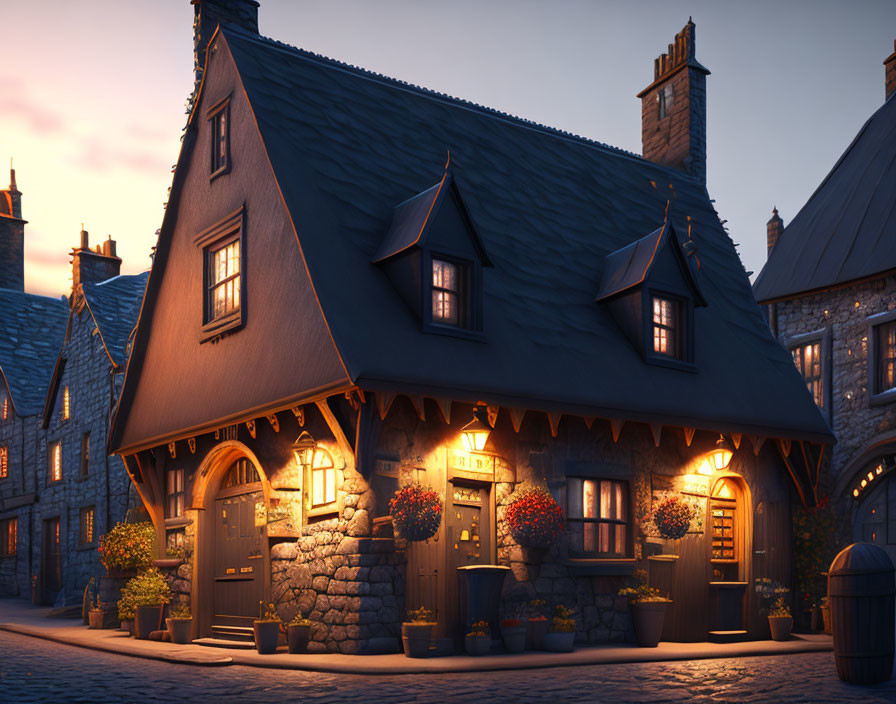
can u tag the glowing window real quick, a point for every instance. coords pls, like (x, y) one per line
(66, 404)
(807, 359)
(85, 535)
(4, 462)
(4, 407)
(598, 517)
(174, 507)
(724, 520)
(220, 146)
(886, 345)
(665, 327)
(224, 280)
(323, 479)
(55, 461)
(8, 533)
(446, 292)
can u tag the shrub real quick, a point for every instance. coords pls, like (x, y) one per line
(673, 517)
(127, 545)
(416, 511)
(534, 518)
(479, 629)
(563, 621)
(149, 588)
(642, 591)
(267, 613)
(180, 611)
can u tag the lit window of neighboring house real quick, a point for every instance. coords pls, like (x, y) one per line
(886, 357)
(85, 454)
(66, 404)
(8, 533)
(54, 457)
(85, 535)
(446, 293)
(665, 327)
(598, 517)
(4, 406)
(808, 360)
(175, 493)
(4, 462)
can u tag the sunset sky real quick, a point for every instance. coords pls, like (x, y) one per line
(92, 93)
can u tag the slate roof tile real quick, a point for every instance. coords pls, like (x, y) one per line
(115, 305)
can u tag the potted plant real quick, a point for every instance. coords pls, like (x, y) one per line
(126, 613)
(537, 626)
(147, 594)
(416, 632)
(127, 547)
(416, 512)
(180, 623)
(780, 620)
(534, 519)
(513, 632)
(479, 640)
(770, 593)
(96, 615)
(563, 631)
(648, 611)
(298, 633)
(267, 629)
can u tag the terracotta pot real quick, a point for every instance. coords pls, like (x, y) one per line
(536, 630)
(267, 635)
(297, 638)
(149, 619)
(128, 626)
(179, 628)
(648, 617)
(559, 641)
(95, 618)
(416, 637)
(781, 626)
(514, 638)
(477, 645)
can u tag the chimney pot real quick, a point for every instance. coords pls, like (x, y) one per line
(774, 230)
(84, 238)
(109, 247)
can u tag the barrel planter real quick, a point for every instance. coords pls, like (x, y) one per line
(860, 595)
(179, 629)
(149, 619)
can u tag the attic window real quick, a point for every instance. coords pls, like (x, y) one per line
(446, 292)
(219, 122)
(66, 404)
(666, 327)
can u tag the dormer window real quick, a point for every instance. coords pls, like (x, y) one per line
(446, 292)
(666, 327)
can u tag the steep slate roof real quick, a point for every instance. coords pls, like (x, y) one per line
(847, 230)
(115, 306)
(347, 146)
(31, 332)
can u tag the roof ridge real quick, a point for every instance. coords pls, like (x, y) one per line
(430, 93)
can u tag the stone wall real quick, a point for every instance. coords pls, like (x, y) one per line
(20, 435)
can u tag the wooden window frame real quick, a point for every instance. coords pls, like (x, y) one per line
(877, 395)
(230, 229)
(54, 458)
(4, 406)
(173, 508)
(9, 530)
(683, 359)
(326, 509)
(87, 527)
(469, 278)
(4, 461)
(598, 520)
(823, 339)
(85, 455)
(734, 504)
(218, 168)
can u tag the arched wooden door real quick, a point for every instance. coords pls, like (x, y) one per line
(240, 554)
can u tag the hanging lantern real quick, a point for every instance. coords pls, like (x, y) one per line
(721, 456)
(303, 448)
(476, 432)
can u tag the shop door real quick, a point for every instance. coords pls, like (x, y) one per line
(51, 561)
(469, 541)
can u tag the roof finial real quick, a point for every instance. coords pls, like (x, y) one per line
(12, 176)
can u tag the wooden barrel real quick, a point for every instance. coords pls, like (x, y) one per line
(861, 592)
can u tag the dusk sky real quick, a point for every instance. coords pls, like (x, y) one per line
(92, 93)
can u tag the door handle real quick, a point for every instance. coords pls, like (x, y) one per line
(759, 552)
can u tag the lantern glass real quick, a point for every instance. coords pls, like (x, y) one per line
(719, 459)
(475, 433)
(303, 448)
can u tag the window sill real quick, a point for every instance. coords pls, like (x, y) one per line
(219, 172)
(86, 547)
(454, 331)
(883, 398)
(601, 567)
(219, 326)
(671, 363)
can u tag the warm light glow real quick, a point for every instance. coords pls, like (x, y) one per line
(722, 490)
(870, 476)
(303, 448)
(855, 492)
(864, 483)
(879, 469)
(475, 433)
(705, 468)
(719, 459)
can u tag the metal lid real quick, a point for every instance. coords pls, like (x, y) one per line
(861, 558)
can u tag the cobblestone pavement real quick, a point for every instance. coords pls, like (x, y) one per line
(33, 670)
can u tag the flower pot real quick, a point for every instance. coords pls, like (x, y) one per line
(477, 645)
(267, 633)
(536, 630)
(826, 619)
(780, 627)
(149, 619)
(559, 641)
(180, 628)
(648, 617)
(514, 638)
(95, 618)
(297, 638)
(416, 637)
(128, 626)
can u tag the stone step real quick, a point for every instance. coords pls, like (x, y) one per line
(225, 643)
(727, 636)
(234, 632)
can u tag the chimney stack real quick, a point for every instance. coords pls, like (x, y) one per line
(207, 14)
(673, 108)
(92, 266)
(774, 230)
(12, 236)
(890, 68)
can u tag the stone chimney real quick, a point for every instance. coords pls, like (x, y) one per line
(207, 14)
(673, 108)
(12, 237)
(890, 67)
(774, 230)
(93, 265)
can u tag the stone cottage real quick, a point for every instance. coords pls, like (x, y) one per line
(830, 288)
(351, 270)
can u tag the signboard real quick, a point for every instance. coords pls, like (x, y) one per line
(471, 465)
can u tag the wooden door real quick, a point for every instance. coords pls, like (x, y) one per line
(240, 556)
(51, 560)
(469, 539)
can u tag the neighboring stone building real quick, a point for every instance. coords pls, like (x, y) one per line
(332, 306)
(61, 367)
(830, 286)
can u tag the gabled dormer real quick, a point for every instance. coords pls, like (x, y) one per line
(434, 259)
(650, 289)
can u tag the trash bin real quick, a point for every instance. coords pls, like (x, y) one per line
(479, 588)
(861, 590)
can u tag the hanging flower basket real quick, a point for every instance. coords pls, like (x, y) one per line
(673, 517)
(416, 512)
(127, 547)
(534, 518)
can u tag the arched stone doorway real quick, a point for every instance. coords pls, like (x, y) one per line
(232, 560)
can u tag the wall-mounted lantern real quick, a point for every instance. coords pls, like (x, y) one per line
(303, 448)
(718, 459)
(475, 433)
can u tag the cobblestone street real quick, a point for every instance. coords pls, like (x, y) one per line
(34, 670)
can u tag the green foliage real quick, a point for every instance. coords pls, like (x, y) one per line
(267, 613)
(780, 608)
(148, 588)
(814, 538)
(641, 591)
(299, 620)
(563, 621)
(127, 545)
(180, 611)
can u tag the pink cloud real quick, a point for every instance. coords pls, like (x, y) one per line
(98, 154)
(15, 103)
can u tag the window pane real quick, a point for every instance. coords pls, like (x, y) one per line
(444, 307)
(317, 487)
(331, 485)
(588, 537)
(589, 498)
(444, 275)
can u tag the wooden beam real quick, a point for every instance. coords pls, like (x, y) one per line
(417, 402)
(812, 484)
(336, 428)
(516, 417)
(250, 424)
(793, 475)
(656, 429)
(299, 413)
(384, 400)
(736, 438)
(616, 428)
(492, 412)
(367, 431)
(191, 442)
(275, 422)
(152, 495)
(589, 421)
(554, 421)
(444, 405)
(784, 446)
(689, 435)
(172, 449)
(757, 441)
